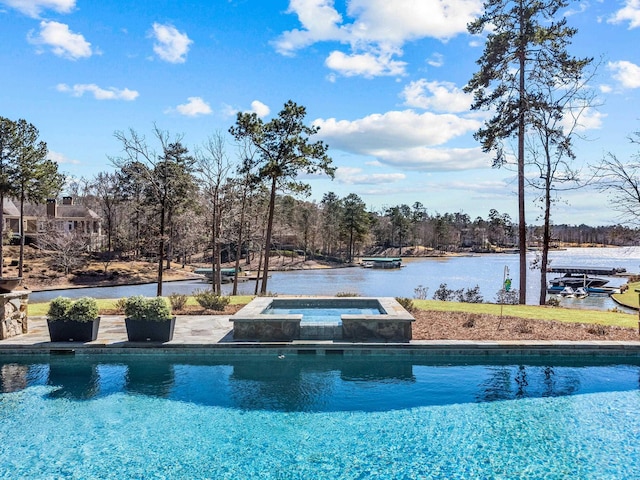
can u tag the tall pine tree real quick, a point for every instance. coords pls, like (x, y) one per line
(524, 37)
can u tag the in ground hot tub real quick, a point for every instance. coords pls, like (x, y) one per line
(323, 318)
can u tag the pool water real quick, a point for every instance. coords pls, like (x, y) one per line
(320, 314)
(316, 416)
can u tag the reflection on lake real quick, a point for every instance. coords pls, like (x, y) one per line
(486, 271)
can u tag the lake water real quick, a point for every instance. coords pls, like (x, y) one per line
(329, 417)
(486, 271)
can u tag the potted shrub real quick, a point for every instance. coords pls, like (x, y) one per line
(70, 321)
(148, 319)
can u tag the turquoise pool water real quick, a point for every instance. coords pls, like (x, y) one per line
(319, 314)
(301, 416)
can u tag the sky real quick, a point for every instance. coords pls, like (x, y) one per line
(382, 79)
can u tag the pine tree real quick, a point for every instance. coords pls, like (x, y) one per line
(525, 37)
(284, 150)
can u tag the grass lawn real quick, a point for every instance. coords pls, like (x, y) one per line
(40, 309)
(534, 312)
(630, 297)
(523, 311)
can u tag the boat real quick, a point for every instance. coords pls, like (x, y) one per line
(583, 278)
(382, 262)
(567, 292)
(226, 274)
(580, 292)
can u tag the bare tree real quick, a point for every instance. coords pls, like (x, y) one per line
(553, 129)
(166, 176)
(68, 249)
(212, 168)
(621, 180)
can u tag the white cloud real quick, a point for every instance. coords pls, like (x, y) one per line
(434, 159)
(368, 64)
(354, 176)
(627, 73)
(195, 107)
(630, 12)
(438, 96)
(59, 158)
(170, 45)
(260, 109)
(581, 8)
(436, 60)
(405, 139)
(320, 22)
(378, 31)
(590, 119)
(99, 93)
(604, 88)
(33, 8)
(63, 42)
(228, 111)
(395, 129)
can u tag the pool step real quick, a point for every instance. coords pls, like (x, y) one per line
(321, 331)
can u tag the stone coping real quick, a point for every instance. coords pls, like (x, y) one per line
(252, 312)
(212, 334)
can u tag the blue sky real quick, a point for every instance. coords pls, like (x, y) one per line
(383, 79)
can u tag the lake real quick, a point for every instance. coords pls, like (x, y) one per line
(486, 271)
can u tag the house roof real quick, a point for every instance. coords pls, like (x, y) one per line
(76, 211)
(9, 208)
(63, 211)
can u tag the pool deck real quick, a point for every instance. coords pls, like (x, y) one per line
(214, 334)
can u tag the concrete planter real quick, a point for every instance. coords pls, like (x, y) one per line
(150, 331)
(8, 284)
(73, 331)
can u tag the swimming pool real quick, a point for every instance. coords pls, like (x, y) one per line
(323, 318)
(316, 416)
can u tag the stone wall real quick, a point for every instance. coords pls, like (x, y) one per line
(13, 314)
(266, 330)
(361, 329)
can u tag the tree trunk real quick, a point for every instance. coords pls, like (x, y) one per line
(522, 225)
(546, 240)
(218, 252)
(214, 274)
(267, 242)
(255, 292)
(1, 235)
(546, 231)
(160, 254)
(21, 232)
(239, 246)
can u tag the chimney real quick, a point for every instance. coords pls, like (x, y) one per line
(52, 208)
(67, 200)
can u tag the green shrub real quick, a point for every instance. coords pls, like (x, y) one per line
(553, 302)
(347, 294)
(407, 303)
(84, 309)
(420, 292)
(178, 301)
(153, 309)
(211, 301)
(59, 309)
(119, 304)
